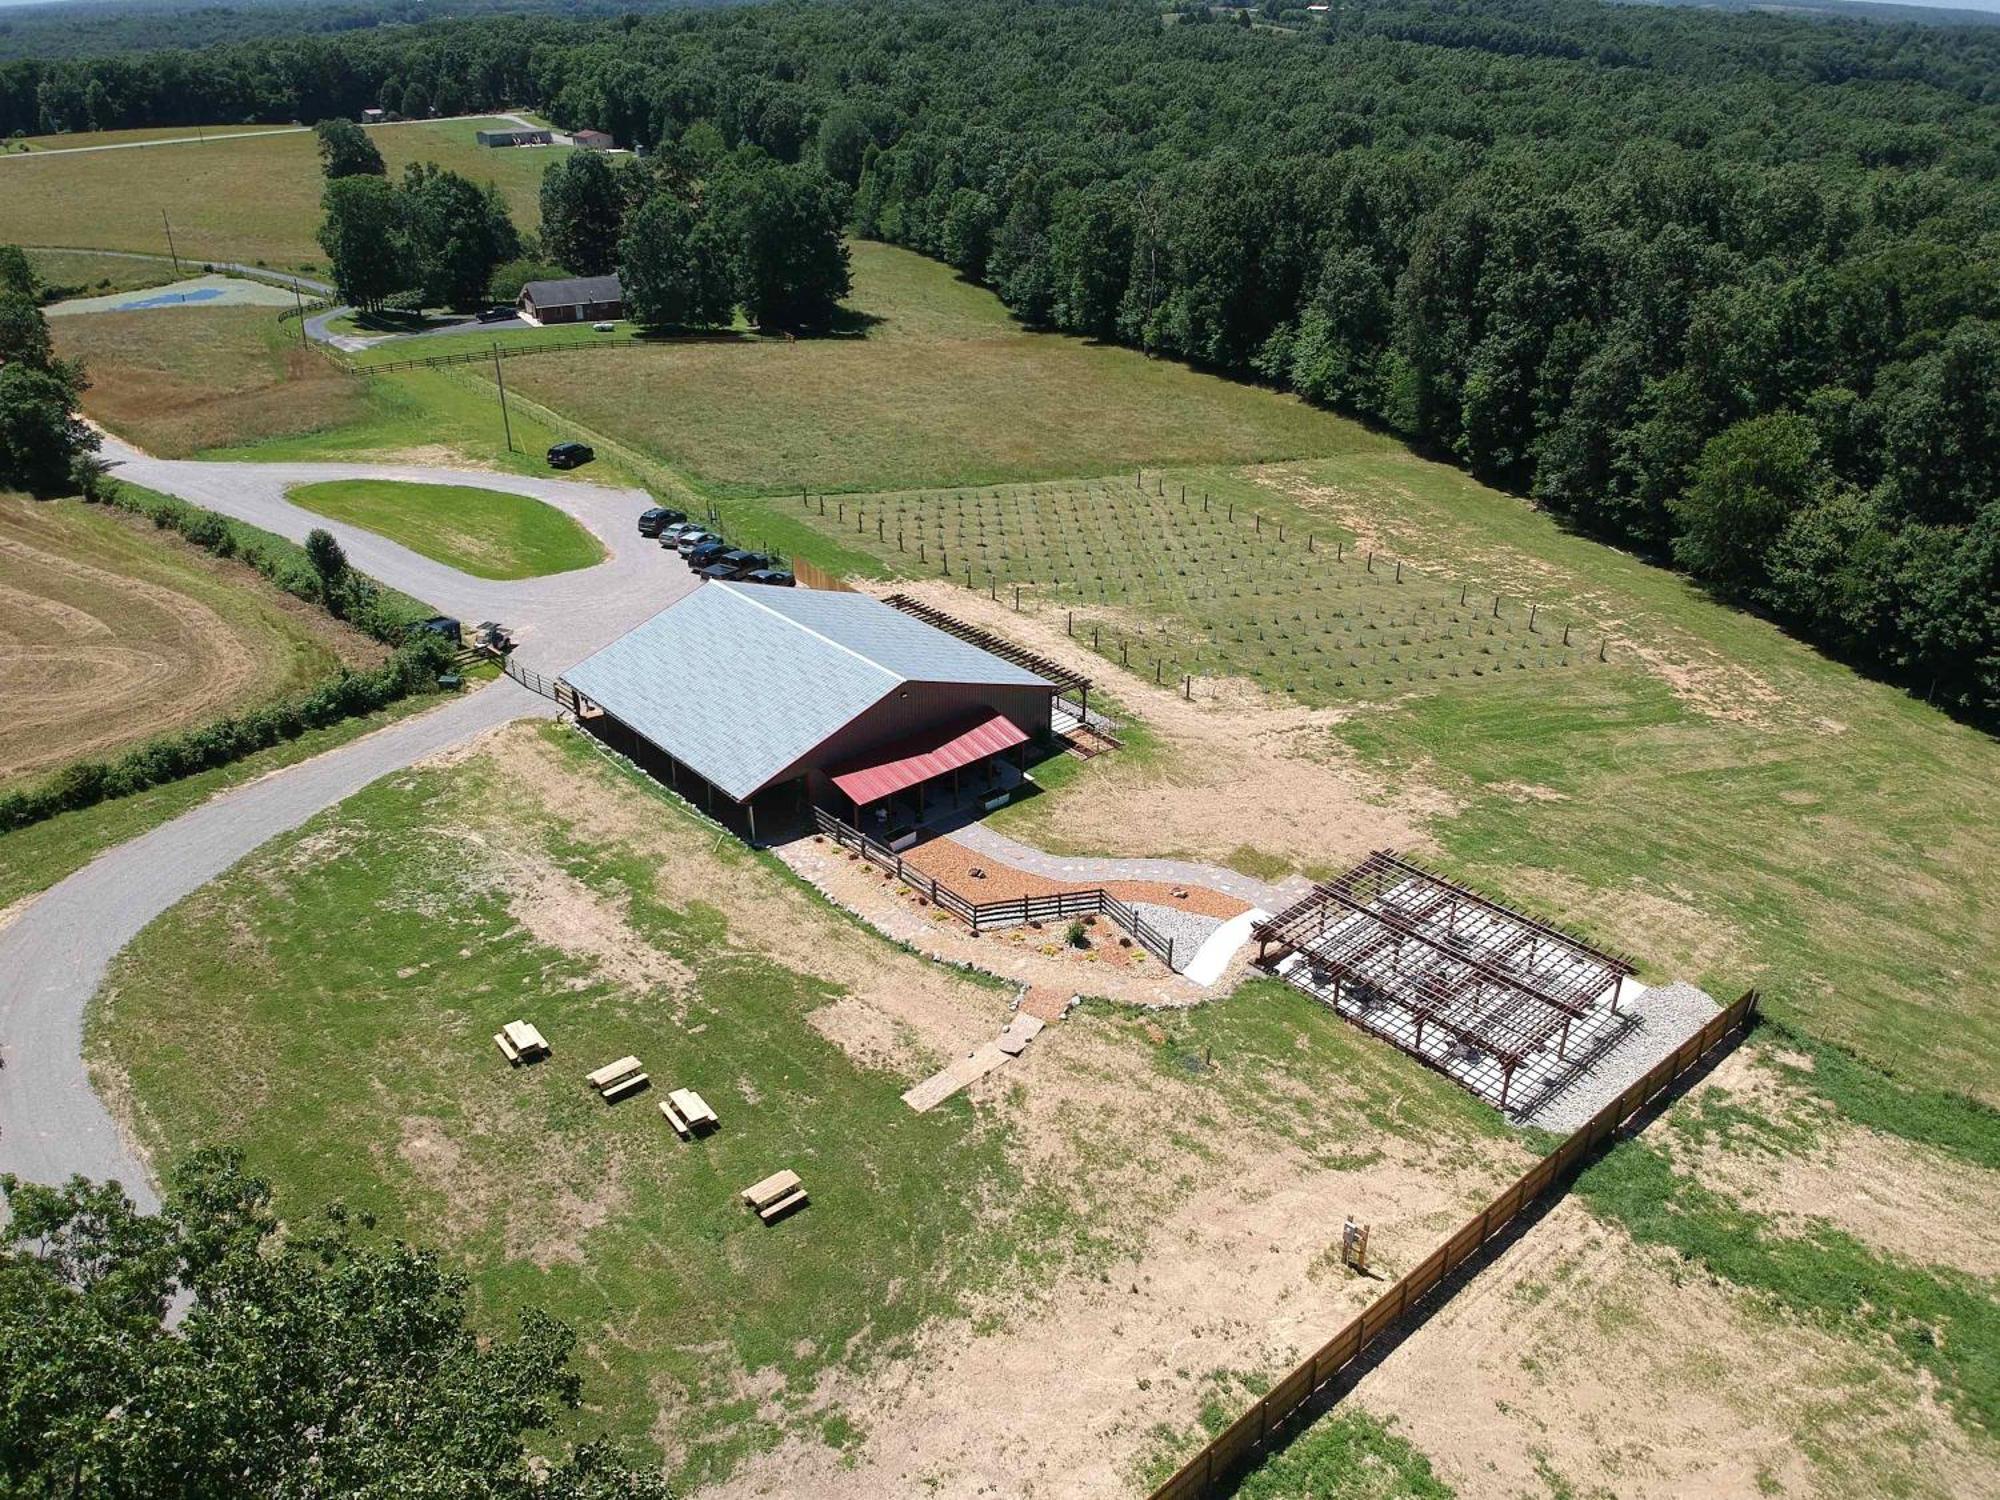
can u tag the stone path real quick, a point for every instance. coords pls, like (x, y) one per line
(1095, 871)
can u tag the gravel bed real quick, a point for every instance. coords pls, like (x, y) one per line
(1188, 929)
(1660, 1020)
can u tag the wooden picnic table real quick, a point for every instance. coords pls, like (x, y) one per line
(771, 1189)
(610, 1073)
(526, 1038)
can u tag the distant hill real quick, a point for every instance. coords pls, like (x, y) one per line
(1887, 12)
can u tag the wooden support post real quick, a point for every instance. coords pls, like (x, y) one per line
(750, 809)
(1399, 570)
(1532, 609)
(1600, 649)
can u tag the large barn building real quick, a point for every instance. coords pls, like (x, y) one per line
(761, 700)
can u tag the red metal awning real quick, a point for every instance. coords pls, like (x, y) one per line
(916, 758)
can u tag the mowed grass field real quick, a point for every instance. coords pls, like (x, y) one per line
(111, 633)
(79, 273)
(254, 199)
(939, 387)
(487, 533)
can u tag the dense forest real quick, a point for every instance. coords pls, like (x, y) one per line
(1722, 288)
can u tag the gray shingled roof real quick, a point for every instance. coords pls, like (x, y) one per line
(573, 291)
(738, 681)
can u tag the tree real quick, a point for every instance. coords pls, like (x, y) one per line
(675, 267)
(844, 139)
(24, 333)
(321, 1361)
(331, 563)
(968, 231)
(582, 213)
(364, 239)
(1749, 483)
(346, 151)
(17, 274)
(783, 226)
(458, 233)
(510, 278)
(41, 435)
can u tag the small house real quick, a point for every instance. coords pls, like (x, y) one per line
(575, 299)
(374, 116)
(595, 140)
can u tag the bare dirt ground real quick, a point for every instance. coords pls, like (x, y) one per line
(1584, 1364)
(1239, 768)
(947, 860)
(99, 647)
(1225, 1270)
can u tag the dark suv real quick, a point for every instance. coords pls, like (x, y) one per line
(706, 554)
(570, 455)
(658, 519)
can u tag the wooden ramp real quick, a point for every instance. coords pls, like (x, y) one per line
(969, 1069)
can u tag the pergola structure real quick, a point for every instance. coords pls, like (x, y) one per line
(1409, 952)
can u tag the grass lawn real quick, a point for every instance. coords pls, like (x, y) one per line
(487, 533)
(74, 139)
(112, 632)
(482, 340)
(34, 858)
(936, 387)
(78, 273)
(255, 199)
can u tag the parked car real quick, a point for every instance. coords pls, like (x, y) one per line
(690, 539)
(498, 314)
(658, 519)
(707, 552)
(746, 562)
(603, 327)
(775, 576)
(570, 455)
(718, 572)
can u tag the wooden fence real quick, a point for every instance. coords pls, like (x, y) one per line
(1245, 1440)
(982, 916)
(485, 356)
(549, 687)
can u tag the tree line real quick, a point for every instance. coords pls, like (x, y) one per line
(1721, 288)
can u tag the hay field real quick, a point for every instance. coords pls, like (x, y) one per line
(111, 633)
(253, 199)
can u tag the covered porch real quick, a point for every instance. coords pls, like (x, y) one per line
(969, 765)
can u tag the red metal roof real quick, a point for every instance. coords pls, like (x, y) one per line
(903, 763)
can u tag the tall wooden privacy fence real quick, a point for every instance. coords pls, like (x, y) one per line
(1246, 1439)
(984, 916)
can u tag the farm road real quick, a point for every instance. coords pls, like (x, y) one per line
(251, 135)
(56, 951)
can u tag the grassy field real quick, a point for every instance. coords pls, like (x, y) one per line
(487, 533)
(254, 199)
(78, 273)
(342, 985)
(482, 340)
(179, 381)
(936, 387)
(112, 632)
(75, 139)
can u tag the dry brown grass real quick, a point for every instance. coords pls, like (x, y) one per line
(180, 381)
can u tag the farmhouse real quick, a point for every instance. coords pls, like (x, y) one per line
(514, 137)
(575, 299)
(756, 699)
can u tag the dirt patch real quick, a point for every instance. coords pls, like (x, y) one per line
(1236, 766)
(1676, 935)
(546, 1219)
(952, 863)
(562, 912)
(866, 1035)
(1581, 1363)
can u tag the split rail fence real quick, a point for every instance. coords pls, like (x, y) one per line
(1248, 1438)
(982, 916)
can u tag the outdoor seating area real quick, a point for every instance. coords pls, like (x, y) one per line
(688, 1113)
(520, 1043)
(776, 1196)
(615, 1080)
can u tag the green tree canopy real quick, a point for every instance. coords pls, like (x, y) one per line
(784, 227)
(346, 151)
(24, 333)
(508, 279)
(1750, 482)
(364, 239)
(41, 435)
(675, 266)
(582, 213)
(459, 233)
(325, 1361)
(17, 273)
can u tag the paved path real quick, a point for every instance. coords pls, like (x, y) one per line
(998, 846)
(251, 135)
(54, 954)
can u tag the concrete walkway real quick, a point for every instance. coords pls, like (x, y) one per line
(1087, 870)
(55, 952)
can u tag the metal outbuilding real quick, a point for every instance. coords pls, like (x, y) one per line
(805, 697)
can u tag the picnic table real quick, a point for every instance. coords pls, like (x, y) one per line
(776, 1196)
(616, 1079)
(688, 1112)
(520, 1042)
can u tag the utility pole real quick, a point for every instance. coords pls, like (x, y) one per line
(171, 251)
(298, 300)
(501, 381)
